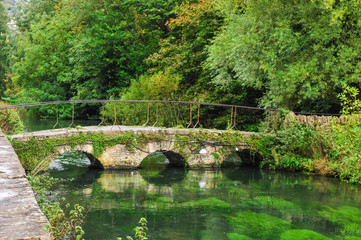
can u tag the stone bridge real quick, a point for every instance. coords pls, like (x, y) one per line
(182, 147)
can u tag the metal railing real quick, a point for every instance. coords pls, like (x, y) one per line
(272, 115)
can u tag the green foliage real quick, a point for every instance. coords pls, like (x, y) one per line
(62, 225)
(346, 148)
(349, 100)
(160, 86)
(140, 231)
(299, 53)
(333, 151)
(184, 53)
(86, 49)
(10, 121)
(4, 49)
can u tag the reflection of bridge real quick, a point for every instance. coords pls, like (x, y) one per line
(183, 147)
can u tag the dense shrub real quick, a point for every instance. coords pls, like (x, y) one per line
(333, 151)
(10, 121)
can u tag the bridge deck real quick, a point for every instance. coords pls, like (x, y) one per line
(20, 216)
(112, 131)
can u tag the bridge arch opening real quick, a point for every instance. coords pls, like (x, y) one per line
(163, 159)
(74, 159)
(242, 158)
(163, 168)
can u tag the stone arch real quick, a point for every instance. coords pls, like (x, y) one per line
(86, 149)
(242, 158)
(163, 159)
(175, 159)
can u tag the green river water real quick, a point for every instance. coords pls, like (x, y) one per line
(237, 203)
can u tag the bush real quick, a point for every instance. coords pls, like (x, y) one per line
(64, 223)
(159, 86)
(333, 151)
(10, 121)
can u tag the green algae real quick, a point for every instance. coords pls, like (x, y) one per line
(159, 202)
(285, 208)
(302, 234)
(351, 238)
(258, 225)
(348, 219)
(207, 203)
(236, 236)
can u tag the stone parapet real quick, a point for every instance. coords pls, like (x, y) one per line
(20, 216)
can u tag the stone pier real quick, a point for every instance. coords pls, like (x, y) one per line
(20, 216)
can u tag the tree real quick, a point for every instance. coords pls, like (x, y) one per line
(299, 53)
(110, 51)
(4, 48)
(88, 49)
(26, 12)
(183, 51)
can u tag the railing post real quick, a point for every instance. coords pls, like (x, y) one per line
(72, 117)
(199, 107)
(230, 124)
(102, 122)
(190, 116)
(27, 120)
(57, 118)
(156, 116)
(115, 117)
(234, 120)
(145, 124)
(269, 115)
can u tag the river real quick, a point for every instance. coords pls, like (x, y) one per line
(238, 203)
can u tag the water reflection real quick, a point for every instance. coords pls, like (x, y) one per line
(166, 176)
(241, 203)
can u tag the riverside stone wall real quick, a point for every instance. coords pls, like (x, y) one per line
(20, 216)
(313, 120)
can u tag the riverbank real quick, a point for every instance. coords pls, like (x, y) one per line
(331, 151)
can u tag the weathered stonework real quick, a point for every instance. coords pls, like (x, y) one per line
(119, 156)
(122, 157)
(313, 120)
(20, 216)
(196, 155)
